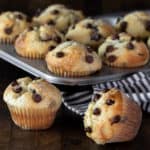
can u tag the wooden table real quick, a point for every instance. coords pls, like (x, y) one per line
(66, 134)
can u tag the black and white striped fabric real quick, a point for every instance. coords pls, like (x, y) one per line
(137, 86)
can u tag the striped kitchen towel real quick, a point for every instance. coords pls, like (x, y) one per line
(137, 86)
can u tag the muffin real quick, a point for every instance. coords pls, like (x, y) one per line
(58, 16)
(36, 41)
(32, 103)
(112, 117)
(90, 32)
(121, 50)
(136, 24)
(72, 59)
(11, 25)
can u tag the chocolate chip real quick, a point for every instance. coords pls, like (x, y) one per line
(89, 25)
(57, 39)
(96, 97)
(30, 28)
(17, 89)
(89, 59)
(97, 111)
(130, 46)
(60, 54)
(118, 19)
(34, 91)
(50, 48)
(115, 119)
(123, 26)
(8, 30)
(36, 97)
(19, 16)
(112, 58)
(110, 48)
(132, 38)
(68, 39)
(110, 102)
(147, 25)
(95, 36)
(55, 12)
(89, 49)
(14, 83)
(88, 129)
(115, 36)
(51, 22)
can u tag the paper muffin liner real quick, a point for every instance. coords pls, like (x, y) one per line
(60, 72)
(31, 55)
(121, 65)
(32, 119)
(6, 41)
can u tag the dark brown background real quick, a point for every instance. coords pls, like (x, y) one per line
(67, 133)
(90, 7)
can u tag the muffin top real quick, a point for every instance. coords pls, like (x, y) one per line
(74, 57)
(90, 31)
(36, 94)
(135, 23)
(121, 50)
(12, 23)
(59, 16)
(38, 40)
(112, 117)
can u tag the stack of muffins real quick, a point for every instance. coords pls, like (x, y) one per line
(75, 46)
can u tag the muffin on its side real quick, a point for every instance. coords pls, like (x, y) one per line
(36, 41)
(32, 103)
(11, 25)
(72, 59)
(112, 117)
(90, 32)
(121, 50)
(59, 16)
(136, 24)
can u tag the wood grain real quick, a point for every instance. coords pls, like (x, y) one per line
(66, 133)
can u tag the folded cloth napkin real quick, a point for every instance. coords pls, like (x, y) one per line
(136, 86)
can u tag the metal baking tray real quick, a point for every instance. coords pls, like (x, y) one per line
(38, 68)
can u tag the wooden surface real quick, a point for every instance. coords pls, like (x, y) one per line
(66, 133)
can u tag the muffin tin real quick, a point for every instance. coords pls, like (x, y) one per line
(38, 67)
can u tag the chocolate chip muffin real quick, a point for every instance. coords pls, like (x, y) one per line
(90, 32)
(72, 59)
(58, 16)
(121, 50)
(136, 24)
(11, 25)
(112, 117)
(32, 103)
(36, 41)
